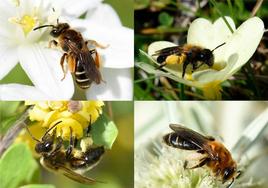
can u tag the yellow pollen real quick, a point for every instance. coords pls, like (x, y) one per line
(26, 22)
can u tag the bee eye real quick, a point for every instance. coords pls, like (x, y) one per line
(54, 33)
(228, 172)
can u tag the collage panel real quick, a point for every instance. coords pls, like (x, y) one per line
(201, 144)
(66, 49)
(200, 50)
(71, 144)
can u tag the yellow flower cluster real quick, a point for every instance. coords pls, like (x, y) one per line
(74, 116)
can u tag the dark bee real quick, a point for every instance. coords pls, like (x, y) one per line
(82, 62)
(213, 153)
(70, 162)
(185, 55)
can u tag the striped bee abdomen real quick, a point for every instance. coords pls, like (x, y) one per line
(80, 76)
(176, 141)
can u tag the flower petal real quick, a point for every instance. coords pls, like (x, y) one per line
(203, 33)
(120, 52)
(21, 92)
(104, 14)
(43, 68)
(74, 8)
(155, 46)
(8, 60)
(244, 42)
(210, 75)
(118, 86)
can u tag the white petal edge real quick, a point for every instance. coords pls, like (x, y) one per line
(244, 41)
(104, 14)
(19, 92)
(75, 8)
(118, 86)
(120, 52)
(155, 46)
(8, 60)
(205, 34)
(43, 68)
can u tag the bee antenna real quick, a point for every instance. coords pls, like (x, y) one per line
(51, 128)
(43, 26)
(218, 46)
(31, 134)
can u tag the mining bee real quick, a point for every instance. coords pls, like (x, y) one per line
(213, 154)
(70, 162)
(83, 62)
(186, 54)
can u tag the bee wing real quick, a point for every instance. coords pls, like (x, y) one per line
(75, 176)
(192, 139)
(87, 61)
(178, 50)
(90, 67)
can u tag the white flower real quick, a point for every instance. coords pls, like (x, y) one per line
(20, 44)
(229, 58)
(165, 170)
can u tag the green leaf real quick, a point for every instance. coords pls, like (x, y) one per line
(165, 19)
(38, 186)
(8, 108)
(104, 132)
(17, 166)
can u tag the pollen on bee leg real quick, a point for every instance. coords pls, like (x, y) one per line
(172, 59)
(85, 143)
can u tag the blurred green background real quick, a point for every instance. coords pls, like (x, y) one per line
(115, 169)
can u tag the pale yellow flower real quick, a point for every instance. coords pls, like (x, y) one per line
(229, 58)
(74, 116)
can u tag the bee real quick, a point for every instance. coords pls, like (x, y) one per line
(70, 162)
(213, 153)
(186, 55)
(83, 62)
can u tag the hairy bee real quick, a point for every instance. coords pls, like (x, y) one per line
(82, 62)
(70, 162)
(186, 55)
(212, 153)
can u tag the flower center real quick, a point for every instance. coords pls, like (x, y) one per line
(27, 23)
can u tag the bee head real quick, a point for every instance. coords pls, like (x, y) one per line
(56, 29)
(45, 146)
(206, 56)
(228, 173)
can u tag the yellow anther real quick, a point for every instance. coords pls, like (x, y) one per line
(26, 22)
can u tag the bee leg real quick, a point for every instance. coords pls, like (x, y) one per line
(71, 63)
(202, 163)
(59, 142)
(71, 145)
(230, 184)
(184, 66)
(89, 126)
(95, 43)
(195, 66)
(52, 43)
(61, 64)
(161, 65)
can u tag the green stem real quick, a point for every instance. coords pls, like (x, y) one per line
(230, 8)
(219, 12)
(182, 93)
(145, 79)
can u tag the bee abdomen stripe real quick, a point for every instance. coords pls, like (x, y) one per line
(79, 73)
(82, 80)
